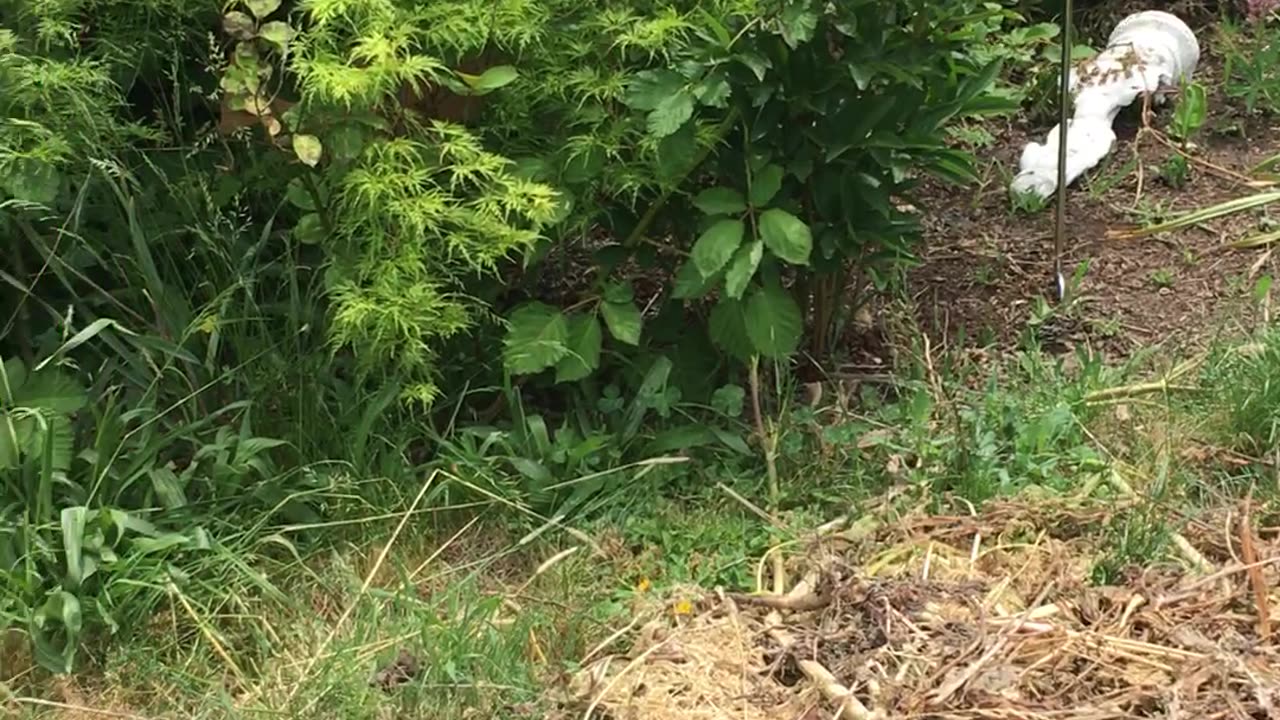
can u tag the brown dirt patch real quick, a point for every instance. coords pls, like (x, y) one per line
(987, 270)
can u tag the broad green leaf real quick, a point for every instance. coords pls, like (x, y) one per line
(798, 24)
(538, 338)
(742, 268)
(670, 114)
(759, 64)
(491, 79)
(651, 87)
(624, 321)
(585, 338)
(310, 229)
(618, 292)
(774, 322)
(308, 149)
(51, 390)
(678, 152)
(277, 32)
(728, 329)
(168, 488)
(238, 25)
(298, 194)
(765, 185)
(262, 8)
(690, 283)
(720, 201)
(787, 236)
(713, 90)
(715, 246)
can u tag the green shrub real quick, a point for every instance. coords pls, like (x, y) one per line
(824, 119)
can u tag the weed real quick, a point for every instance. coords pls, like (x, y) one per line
(1251, 57)
(1163, 278)
(1175, 171)
(1027, 203)
(1190, 112)
(1246, 395)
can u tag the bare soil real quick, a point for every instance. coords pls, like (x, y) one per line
(986, 264)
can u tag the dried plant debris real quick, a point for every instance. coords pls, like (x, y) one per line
(990, 615)
(403, 668)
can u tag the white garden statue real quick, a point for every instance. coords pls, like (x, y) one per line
(1149, 53)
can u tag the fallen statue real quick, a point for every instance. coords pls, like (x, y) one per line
(1149, 53)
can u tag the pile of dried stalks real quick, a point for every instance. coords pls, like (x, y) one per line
(981, 616)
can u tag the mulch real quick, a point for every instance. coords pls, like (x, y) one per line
(976, 615)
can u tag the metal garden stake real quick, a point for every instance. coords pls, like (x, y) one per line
(1060, 229)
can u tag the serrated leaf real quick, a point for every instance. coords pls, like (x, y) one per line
(277, 32)
(728, 328)
(720, 201)
(774, 322)
(308, 149)
(624, 321)
(742, 268)
(765, 185)
(238, 25)
(716, 246)
(651, 87)
(786, 236)
(491, 79)
(729, 400)
(538, 338)
(262, 8)
(714, 90)
(585, 339)
(670, 114)
(690, 283)
(798, 24)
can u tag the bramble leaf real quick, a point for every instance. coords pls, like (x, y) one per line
(585, 339)
(773, 322)
(720, 201)
(742, 268)
(624, 321)
(715, 246)
(787, 236)
(537, 339)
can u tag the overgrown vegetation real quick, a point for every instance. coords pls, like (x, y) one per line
(482, 283)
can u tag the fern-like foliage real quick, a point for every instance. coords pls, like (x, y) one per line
(423, 205)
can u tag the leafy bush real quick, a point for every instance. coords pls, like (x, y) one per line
(825, 118)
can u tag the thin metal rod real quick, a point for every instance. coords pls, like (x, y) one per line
(1060, 217)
